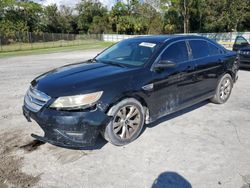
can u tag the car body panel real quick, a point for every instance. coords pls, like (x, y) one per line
(68, 80)
(161, 91)
(243, 51)
(239, 43)
(244, 57)
(63, 128)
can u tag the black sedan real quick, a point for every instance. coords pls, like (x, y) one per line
(132, 83)
(242, 47)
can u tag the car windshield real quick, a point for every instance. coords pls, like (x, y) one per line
(128, 52)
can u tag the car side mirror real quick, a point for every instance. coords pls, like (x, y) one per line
(163, 64)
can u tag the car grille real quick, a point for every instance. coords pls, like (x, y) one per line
(34, 100)
(244, 53)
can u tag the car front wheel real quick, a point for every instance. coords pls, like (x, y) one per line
(128, 120)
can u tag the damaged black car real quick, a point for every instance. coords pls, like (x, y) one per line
(130, 84)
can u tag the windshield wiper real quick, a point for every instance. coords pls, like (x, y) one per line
(115, 64)
(92, 60)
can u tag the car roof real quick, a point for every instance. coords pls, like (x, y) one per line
(165, 38)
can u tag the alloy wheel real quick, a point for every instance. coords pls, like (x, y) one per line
(126, 122)
(225, 89)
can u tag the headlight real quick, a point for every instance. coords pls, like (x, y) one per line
(77, 101)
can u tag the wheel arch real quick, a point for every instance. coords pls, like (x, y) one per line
(136, 97)
(231, 73)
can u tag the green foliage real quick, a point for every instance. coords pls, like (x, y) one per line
(226, 15)
(19, 16)
(100, 25)
(136, 18)
(87, 10)
(51, 20)
(206, 15)
(132, 17)
(57, 20)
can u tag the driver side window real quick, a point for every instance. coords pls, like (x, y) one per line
(177, 53)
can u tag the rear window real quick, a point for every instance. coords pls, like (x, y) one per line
(213, 50)
(199, 48)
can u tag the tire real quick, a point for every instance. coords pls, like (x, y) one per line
(223, 90)
(128, 120)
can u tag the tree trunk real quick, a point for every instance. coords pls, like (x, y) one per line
(185, 27)
(186, 17)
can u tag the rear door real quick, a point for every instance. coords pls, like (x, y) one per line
(208, 60)
(239, 43)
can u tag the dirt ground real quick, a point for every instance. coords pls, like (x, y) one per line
(206, 145)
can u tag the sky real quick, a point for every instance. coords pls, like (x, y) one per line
(108, 3)
(72, 3)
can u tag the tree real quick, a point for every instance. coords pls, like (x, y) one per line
(100, 25)
(152, 18)
(87, 10)
(118, 10)
(126, 17)
(30, 12)
(173, 21)
(51, 19)
(197, 15)
(185, 9)
(67, 20)
(237, 13)
(245, 26)
(226, 15)
(19, 16)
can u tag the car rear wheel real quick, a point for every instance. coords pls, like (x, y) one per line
(128, 120)
(223, 90)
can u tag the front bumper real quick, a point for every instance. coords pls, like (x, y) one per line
(68, 129)
(244, 62)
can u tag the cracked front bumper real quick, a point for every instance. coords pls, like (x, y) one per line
(68, 129)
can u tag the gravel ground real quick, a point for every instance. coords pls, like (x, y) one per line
(206, 145)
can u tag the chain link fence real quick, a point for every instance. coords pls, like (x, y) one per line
(225, 39)
(27, 41)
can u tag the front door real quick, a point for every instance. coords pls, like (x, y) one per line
(173, 85)
(239, 43)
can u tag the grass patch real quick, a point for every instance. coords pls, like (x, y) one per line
(44, 49)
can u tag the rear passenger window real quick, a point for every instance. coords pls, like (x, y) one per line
(199, 48)
(177, 52)
(213, 50)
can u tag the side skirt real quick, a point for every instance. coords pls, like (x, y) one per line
(186, 105)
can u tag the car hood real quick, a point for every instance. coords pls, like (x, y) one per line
(78, 78)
